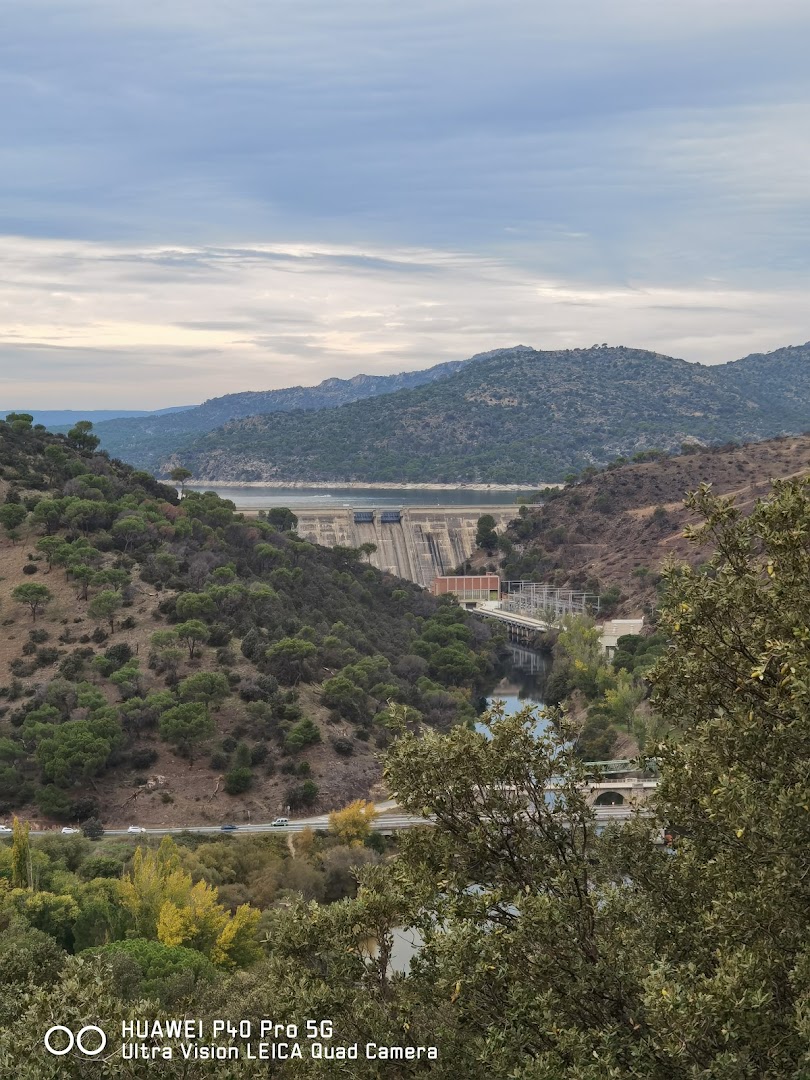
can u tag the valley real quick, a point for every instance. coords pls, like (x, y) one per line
(405, 540)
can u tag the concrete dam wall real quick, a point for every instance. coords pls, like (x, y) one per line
(416, 543)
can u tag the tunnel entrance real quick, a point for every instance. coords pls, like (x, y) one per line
(609, 798)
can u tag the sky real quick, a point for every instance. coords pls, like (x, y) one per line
(198, 198)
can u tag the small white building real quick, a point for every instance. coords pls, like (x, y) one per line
(616, 628)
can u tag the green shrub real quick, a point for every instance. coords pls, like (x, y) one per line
(302, 795)
(164, 973)
(54, 802)
(304, 733)
(238, 780)
(143, 757)
(100, 866)
(342, 745)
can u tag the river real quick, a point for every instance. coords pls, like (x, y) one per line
(262, 498)
(523, 684)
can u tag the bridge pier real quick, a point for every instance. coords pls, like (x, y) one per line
(520, 634)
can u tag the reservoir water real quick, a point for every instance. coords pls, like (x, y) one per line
(258, 498)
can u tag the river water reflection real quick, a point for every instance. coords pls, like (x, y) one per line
(523, 685)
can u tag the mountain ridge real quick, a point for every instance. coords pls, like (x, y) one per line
(517, 415)
(59, 420)
(143, 440)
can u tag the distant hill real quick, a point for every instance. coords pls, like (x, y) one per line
(615, 530)
(55, 419)
(779, 379)
(517, 416)
(146, 440)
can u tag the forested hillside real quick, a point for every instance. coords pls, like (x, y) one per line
(517, 416)
(167, 661)
(145, 441)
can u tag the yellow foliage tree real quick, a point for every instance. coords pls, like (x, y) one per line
(236, 945)
(166, 905)
(353, 823)
(171, 925)
(156, 877)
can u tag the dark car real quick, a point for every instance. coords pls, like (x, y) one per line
(228, 828)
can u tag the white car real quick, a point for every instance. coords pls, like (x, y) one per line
(280, 821)
(68, 831)
(136, 829)
(6, 829)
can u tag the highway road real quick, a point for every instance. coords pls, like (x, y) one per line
(388, 822)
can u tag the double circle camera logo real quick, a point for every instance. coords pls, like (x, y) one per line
(89, 1040)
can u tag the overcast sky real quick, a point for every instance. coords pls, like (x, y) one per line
(199, 197)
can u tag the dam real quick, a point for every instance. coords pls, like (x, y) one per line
(415, 542)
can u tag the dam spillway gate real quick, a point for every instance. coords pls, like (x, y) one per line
(418, 543)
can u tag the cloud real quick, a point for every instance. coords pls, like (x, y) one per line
(125, 331)
(320, 184)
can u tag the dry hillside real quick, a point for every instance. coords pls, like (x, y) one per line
(619, 527)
